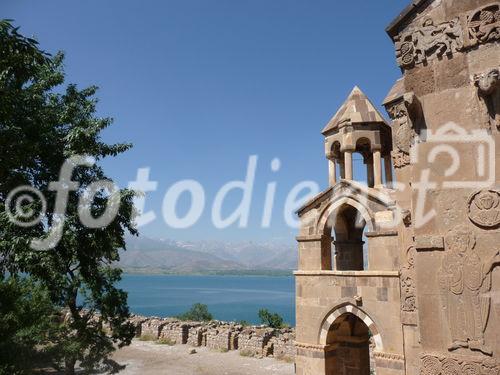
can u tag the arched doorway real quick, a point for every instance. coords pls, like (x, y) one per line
(351, 338)
(348, 340)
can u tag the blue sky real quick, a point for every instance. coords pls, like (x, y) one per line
(200, 85)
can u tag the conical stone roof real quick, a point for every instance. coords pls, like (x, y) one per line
(357, 109)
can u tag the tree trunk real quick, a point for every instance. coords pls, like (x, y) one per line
(69, 366)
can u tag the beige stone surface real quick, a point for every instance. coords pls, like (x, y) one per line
(424, 299)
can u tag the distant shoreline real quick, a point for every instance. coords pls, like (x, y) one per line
(160, 272)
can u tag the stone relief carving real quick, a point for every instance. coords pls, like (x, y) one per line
(483, 25)
(406, 217)
(489, 94)
(430, 366)
(389, 356)
(431, 41)
(408, 286)
(484, 209)
(428, 42)
(465, 281)
(440, 365)
(405, 113)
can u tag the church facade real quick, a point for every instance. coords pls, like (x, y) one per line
(399, 275)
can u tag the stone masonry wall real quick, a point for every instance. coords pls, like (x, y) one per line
(256, 341)
(176, 332)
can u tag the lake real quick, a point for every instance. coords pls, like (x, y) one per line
(229, 298)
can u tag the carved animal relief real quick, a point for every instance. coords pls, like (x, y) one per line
(465, 281)
(439, 365)
(428, 42)
(489, 93)
(483, 26)
(433, 41)
(484, 208)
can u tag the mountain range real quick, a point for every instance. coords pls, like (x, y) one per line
(147, 255)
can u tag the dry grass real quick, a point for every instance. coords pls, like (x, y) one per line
(246, 353)
(165, 341)
(147, 337)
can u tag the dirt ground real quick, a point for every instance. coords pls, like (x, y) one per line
(148, 358)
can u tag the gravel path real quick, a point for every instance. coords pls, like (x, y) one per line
(148, 358)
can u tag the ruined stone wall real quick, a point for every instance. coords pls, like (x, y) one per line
(197, 335)
(283, 344)
(176, 332)
(255, 341)
(223, 337)
(152, 327)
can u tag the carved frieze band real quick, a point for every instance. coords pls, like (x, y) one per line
(432, 364)
(429, 40)
(313, 347)
(389, 356)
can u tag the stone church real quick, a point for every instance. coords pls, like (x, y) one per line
(399, 275)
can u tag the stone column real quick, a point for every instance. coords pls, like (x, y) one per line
(348, 164)
(342, 168)
(377, 168)
(388, 170)
(369, 171)
(332, 171)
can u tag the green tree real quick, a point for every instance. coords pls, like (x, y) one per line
(197, 313)
(270, 319)
(28, 319)
(42, 124)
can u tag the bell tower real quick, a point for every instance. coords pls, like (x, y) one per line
(358, 127)
(347, 280)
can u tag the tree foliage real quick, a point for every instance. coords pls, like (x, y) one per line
(27, 319)
(270, 319)
(197, 313)
(42, 123)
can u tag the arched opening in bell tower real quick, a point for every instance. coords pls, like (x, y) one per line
(347, 226)
(363, 162)
(348, 239)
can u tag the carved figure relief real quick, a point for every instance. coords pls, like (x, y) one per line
(484, 25)
(489, 94)
(405, 113)
(465, 281)
(428, 42)
(408, 286)
(484, 208)
(439, 365)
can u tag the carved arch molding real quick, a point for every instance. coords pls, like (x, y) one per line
(350, 309)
